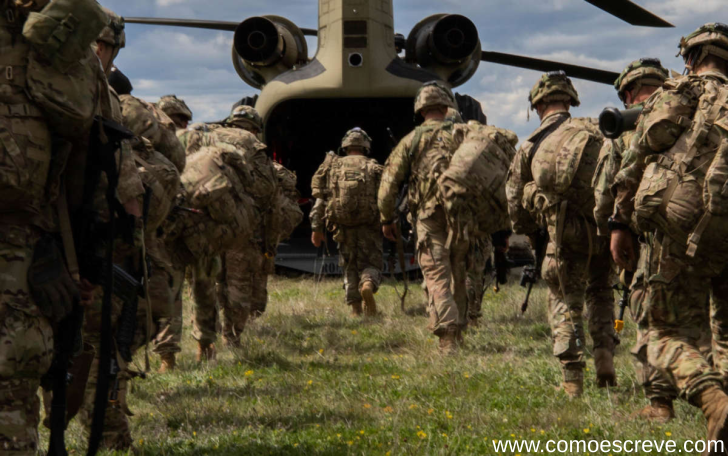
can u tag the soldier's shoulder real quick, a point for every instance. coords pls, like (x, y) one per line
(588, 124)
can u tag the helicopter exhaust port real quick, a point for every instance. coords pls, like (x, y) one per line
(356, 60)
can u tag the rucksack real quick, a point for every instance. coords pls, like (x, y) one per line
(160, 176)
(472, 189)
(286, 214)
(63, 75)
(564, 165)
(684, 192)
(353, 182)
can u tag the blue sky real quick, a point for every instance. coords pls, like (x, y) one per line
(196, 64)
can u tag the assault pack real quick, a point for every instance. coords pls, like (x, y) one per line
(472, 189)
(684, 192)
(350, 185)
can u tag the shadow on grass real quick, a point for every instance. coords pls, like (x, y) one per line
(251, 448)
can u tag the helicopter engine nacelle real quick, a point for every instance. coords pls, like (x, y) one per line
(446, 44)
(265, 47)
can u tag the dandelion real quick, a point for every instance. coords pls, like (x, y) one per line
(353, 331)
(295, 445)
(444, 435)
(395, 377)
(470, 427)
(513, 435)
(668, 433)
(586, 430)
(422, 434)
(366, 406)
(466, 375)
(430, 411)
(350, 442)
(141, 441)
(542, 432)
(248, 373)
(533, 430)
(361, 432)
(321, 351)
(448, 415)
(388, 453)
(413, 406)
(338, 435)
(194, 434)
(151, 414)
(210, 377)
(310, 382)
(388, 409)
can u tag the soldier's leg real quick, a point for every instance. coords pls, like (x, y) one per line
(565, 316)
(370, 258)
(475, 281)
(434, 260)
(206, 309)
(165, 289)
(235, 291)
(346, 240)
(599, 298)
(259, 298)
(459, 270)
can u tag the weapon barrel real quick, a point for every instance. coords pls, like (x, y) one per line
(613, 122)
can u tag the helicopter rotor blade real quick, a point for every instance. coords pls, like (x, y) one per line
(630, 13)
(574, 71)
(226, 26)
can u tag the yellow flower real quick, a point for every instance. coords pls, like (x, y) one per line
(388, 409)
(413, 406)
(194, 434)
(361, 432)
(466, 375)
(295, 445)
(141, 441)
(310, 382)
(542, 432)
(444, 435)
(533, 430)
(366, 406)
(430, 411)
(338, 435)
(513, 435)
(448, 415)
(421, 434)
(248, 373)
(395, 377)
(470, 427)
(668, 433)
(353, 331)
(388, 453)
(350, 442)
(321, 351)
(586, 430)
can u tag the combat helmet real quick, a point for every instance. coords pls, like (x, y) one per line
(173, 106)
(645, 71)
(434, 93)
(453, 115)
(113, 34)
(356, 137)
(710, 38)
(553, 86)
(245, 117)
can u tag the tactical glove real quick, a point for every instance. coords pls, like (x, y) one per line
(51, 285)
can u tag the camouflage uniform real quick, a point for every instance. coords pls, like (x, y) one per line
(351, 216)
(574, 266)
(478, 255)
(420, 156)
(176, 109)
(678, 285)
(643, 72)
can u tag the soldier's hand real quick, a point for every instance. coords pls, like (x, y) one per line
(622, 248)
(389, 232)
(132, 207)
(87, 292)
(317, 238)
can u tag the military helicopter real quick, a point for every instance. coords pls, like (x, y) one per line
(358, 78)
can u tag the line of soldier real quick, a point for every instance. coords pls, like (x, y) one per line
(85, 201)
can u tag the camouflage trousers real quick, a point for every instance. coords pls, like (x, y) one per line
(205, 319)
(242, 288)
(165, 294)
(679, 292)
(26, 345)
(361, 258)
(444, 270)
(478, 255)
(574, 280)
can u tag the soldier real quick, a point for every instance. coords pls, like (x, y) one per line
(36, 288)
(176, 109)
(675, 137)
(243, 281)
(634, 86)
(542, 192)
(419, 158)
(346, 204)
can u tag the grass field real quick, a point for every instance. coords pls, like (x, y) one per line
(312, 380)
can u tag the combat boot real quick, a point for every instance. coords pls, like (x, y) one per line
(473, 322)
(356, 309)
(660, 410)
(573, 384)
(205, 352)
(449, 341)
(714, 404)
(370, 305)
(169, 363)
(604, 363)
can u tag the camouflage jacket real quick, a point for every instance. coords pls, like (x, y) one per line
(420, 165)
(610, 158)
(666, 116)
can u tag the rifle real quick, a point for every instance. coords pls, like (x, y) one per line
(501, 265)
(401, 210)
(624, 287)
(531, 273)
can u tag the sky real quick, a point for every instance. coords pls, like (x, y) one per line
(196, 65)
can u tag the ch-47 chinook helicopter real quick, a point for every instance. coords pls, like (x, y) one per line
(357, 78)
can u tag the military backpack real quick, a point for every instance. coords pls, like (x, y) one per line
(352, 183)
